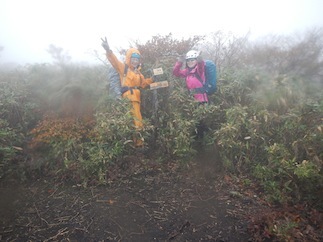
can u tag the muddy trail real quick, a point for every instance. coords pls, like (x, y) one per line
(146, 201)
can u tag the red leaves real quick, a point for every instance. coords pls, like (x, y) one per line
(298, 223)
(52, 129)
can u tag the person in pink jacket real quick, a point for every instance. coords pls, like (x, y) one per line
(194, 74)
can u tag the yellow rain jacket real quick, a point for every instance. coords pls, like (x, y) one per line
(133, 79)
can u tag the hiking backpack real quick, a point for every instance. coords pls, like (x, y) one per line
(209, 86)
(210, 77)
(114, 83)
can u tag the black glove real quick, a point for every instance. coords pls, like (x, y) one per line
(181, 58)
(199, 58)
(105, 44)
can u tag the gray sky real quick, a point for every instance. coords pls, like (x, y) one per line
(27, 28)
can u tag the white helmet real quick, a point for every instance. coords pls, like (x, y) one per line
(192, 54)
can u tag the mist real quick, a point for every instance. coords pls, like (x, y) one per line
(27, 29)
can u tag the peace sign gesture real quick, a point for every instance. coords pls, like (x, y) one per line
(105, 44)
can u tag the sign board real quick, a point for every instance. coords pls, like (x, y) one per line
(157, 85)
(158, 71)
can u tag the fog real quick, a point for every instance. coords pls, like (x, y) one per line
(27, 28)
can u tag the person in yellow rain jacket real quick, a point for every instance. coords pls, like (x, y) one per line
(131, 81)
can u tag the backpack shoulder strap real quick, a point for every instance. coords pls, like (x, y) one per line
(199, 77)
(124, 74)
(203, 88)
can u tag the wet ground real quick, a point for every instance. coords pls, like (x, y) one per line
(146, 202)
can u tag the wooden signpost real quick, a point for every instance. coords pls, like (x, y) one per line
(158, 84)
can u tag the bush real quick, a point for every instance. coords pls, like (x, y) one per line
(264, 120)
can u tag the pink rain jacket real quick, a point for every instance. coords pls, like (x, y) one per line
(191, 80)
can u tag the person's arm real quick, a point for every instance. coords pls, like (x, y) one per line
(177, 71)
(145, 81)
(118, 65)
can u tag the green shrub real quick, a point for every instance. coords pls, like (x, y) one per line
(7, 150)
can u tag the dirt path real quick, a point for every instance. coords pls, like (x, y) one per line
(152, 203)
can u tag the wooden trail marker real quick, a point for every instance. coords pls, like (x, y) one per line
(158, 71)
(157, 85)
(161, 84)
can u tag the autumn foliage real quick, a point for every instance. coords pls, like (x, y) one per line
(264, 122)
(51, 130)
